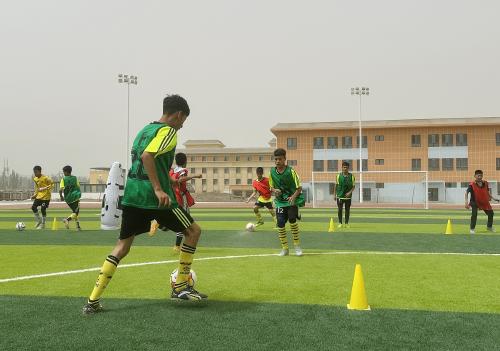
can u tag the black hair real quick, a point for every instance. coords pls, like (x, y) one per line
(345, 164)
(175, 103)
(478, 171)
(280, 152)
(259, 170)
(181, 159)
(37, 168)
(67, 169)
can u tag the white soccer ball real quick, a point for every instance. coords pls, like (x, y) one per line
(20, 226)
(250, 227)
(191, 279)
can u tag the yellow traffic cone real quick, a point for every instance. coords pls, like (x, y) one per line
(449, 228)
(358, 293)
(331, 228)
(55, 224)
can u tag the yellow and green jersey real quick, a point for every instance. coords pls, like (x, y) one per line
(160, 139)
(43, 187)
(344, 184)
(288, 182)
(71, 189)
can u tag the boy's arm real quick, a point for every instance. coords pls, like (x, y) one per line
(251, 196)
(297, 192)
(467, 206)
(35, 191)
(61, 188)
(186, 178)
(148, 160)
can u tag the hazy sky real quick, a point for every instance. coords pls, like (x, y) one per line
(243, 66)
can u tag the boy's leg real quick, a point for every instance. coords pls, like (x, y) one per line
(282, 218)
(257, 214)
(293, 211)
(473, 217)
(490, 214)
(347, 210)
(339, 210)
(34, 208)
(43, 209)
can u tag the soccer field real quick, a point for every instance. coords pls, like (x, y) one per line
(427, 290)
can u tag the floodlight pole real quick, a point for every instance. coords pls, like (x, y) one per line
(127, 79)
(360, 92)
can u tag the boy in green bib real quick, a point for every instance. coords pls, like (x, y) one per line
(344, 186)
(69, 191)
(285, 183)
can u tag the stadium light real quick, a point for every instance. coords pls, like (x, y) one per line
(127, 79)
(360, 92)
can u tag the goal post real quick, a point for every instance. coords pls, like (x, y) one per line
(383, 188)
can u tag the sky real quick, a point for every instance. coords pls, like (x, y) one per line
(243, 67)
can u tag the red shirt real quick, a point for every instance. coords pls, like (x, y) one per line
(481, 195)
(262, 186)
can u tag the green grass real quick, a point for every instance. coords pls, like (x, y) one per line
(425, 299)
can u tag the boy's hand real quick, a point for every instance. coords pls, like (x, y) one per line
(467, 206)
(163, 199)
(197, 176)
(291, 199)
(62, 198)
(33, 197)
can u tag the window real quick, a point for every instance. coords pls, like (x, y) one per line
(346, 142)
(204, 182)
(461, 140)
(415, 140)
(261, 158)
(226, 170)
(450, 185)
(332, 165)
(292, 162)
(379, 138)
(379, 185)
(215, 182)
(226, 158)
(249, 181)
(379, 162)
(434, 164)
(249, 170)
(238, 170)
(204, 170)
(291, 143)
(318, 166)
(318, 143)
(433, 140)
(272, 158)
(350, 163)
(236, 158)
(238, 181)
(365, 141)
(365, 165)
(498, 164)
(226, 181)
(332, 143)
(498, 139)
(416, 164)
(447, 140)
(462, 164)
(465, 185)
(249, 158)
(193, 170)
(447, 164)
(331, 188)
(192, 159)
(216, 171)
(214, 158)
(203, 158)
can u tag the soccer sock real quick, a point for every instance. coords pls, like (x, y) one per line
(295, 233)
(259, 217)
(43, 219)
(185, 260)
(178, 239)
(282, 236)
(37, 217)
(107, 271)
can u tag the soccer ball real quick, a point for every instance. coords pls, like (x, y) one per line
(191, 279)
(20, 226)
(250, 227)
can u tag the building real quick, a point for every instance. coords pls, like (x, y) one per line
(224, 169)
(448, 149)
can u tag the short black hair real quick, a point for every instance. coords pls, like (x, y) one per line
(259, 170)
(478, 171)
(37, 168)
(345, 164)
(67, 169)
(175, 103)
(180, 159)
(280, 152)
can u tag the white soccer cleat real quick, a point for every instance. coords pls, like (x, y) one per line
(491, 229)
(298, 251)
(284, 252)
(472, 231)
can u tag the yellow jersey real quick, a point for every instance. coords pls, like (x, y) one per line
(43, 187)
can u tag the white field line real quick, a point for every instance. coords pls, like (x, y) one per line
(95, 269)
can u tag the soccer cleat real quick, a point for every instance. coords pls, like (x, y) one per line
(340, 226)
(176, 249)
(298, 251)
(66, 223)
(259, 223)
(188, 293)
(92, 308)
(491, 229)
(348, 226)
(284, 252)
(203, 296)
(472, 231)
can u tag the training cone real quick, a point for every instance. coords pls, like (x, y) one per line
(55, 224)
(358, 294)
(331, 228)
(449, 228)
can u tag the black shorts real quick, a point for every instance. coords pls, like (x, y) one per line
(136, 221)
(75, 206)
(43, 203)
(284, 214)
(341, 202)
(261, 204)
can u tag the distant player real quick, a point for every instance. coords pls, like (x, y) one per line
(69, 191)
(285, 184)
(344, 186)
(261, 187)
(480, 197)
(149, 195)
(43, 190)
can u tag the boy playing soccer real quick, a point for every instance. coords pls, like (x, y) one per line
(285, 183)
(70, 187)
(43, 188)
(344, 186)
(261, 187)
(149, 195)
(480, 197)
